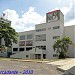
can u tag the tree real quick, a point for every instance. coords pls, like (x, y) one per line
(61, 46)
(7, 33)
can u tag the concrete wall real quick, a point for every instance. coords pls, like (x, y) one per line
(21, 55)
(69, 31)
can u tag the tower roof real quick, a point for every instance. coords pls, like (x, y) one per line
(53, 11)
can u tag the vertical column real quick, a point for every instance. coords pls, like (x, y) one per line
(42, 56)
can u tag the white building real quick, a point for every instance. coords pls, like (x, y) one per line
(38, 43)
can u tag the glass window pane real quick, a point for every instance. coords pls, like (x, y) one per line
(41, 37)
(22, 37)
(29, 43)
(22, 43)
(29, 36)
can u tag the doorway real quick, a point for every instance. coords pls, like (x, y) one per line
(44, 56)
(37, 56)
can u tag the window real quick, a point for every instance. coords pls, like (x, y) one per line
(27, 56)
(14, 53)
(44, 29)
(49, 28)
(22, 43)
(28, 48)
(0, 41)
(38, 47)
(41, 47)
(29, 43)
(55, 37)
(37, 56)
(29, 36)
(21, 49)
(44, 56)
(55, 55)
(41, 37)
(15, 49)
(22, 37)
(56, 27)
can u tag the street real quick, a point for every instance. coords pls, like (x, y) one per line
(27, 68)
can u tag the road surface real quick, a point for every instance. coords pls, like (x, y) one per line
(27, 68)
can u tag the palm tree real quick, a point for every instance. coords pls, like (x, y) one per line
(61, 46)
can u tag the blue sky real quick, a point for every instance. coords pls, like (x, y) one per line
(24, 14)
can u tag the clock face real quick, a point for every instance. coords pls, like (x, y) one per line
(52, 16)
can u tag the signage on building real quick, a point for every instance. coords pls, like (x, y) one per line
(53, 16)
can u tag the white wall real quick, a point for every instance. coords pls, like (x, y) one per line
(49, 35)
(69, 31)
(21, 55)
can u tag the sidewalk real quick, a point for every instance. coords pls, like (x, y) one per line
(64, 65)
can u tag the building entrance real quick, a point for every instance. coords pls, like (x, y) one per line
(37, 56)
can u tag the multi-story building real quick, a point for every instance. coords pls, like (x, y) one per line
(38, 43)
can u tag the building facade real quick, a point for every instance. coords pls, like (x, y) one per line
(70, 31)
(38, 43)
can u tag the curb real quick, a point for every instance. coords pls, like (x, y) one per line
(60, 69)
(30, 61)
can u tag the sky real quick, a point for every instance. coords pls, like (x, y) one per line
(25, 14)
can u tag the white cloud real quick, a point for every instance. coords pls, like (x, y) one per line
(30, 28)
(67, 11)
(31, 17)
(11, 15)
(54, 9)
(22, 11)
(64, 10)
(59, 1)
(72, 0)
(26, 22)
(68, 14)
(72, 22)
